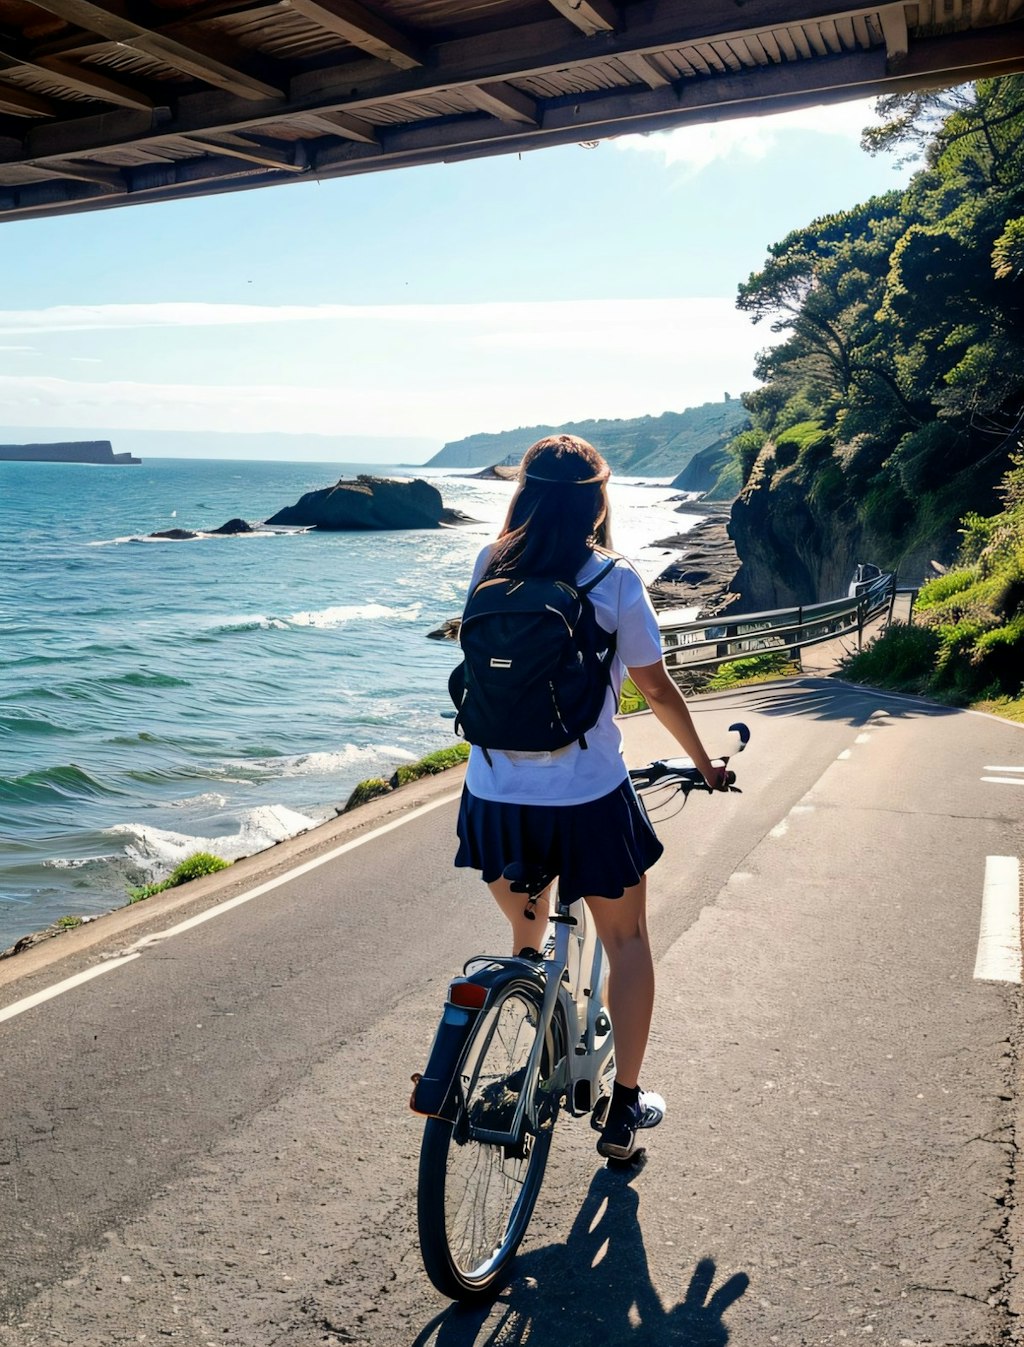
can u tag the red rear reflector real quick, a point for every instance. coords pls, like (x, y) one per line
(465, 993)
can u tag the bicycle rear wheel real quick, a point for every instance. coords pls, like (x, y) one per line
(476, 1198)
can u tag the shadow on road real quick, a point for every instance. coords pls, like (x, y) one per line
(828, 699)
(596, 1288)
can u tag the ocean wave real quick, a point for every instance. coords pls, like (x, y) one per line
(366, 612)
(197, 534)
(157, 851)
(322, 619)
(253, 622)
(66, 782)
(34, 725)
(137, 679)
(209, 799)
(325, 764)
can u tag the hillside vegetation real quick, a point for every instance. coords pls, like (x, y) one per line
(645, 446)
(894, 400)
(967, 641)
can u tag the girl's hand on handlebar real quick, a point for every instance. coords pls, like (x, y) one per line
(718, 777)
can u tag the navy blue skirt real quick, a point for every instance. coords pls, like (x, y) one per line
(598, 849)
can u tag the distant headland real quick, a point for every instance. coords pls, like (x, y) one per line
(81, 451)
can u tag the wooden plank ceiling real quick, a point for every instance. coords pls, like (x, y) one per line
(122, 101)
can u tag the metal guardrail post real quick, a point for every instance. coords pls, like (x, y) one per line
(794, 650)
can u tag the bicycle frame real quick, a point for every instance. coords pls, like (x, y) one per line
(571, 975)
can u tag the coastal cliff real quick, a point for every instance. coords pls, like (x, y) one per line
(81, 451)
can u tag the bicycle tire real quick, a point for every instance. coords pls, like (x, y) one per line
(475, 1199)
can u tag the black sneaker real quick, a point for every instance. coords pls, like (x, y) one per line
(620, 1123)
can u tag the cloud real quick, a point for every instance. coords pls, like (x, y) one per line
(750, 137)
(440, 371)
(541, 321)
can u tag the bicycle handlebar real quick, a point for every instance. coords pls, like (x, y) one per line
(683, 774)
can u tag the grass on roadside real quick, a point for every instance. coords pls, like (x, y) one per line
(192, 867)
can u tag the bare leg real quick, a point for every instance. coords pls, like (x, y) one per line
(524, 931)
(622, 928)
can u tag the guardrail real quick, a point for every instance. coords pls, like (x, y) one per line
(709, 642)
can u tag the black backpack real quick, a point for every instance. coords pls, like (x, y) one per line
(536, 664)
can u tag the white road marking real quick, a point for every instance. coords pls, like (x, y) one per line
(121, 957)
(1005, 769)
(29, 1002)
(1004, 780)
(999, 957)
(863, 739)
(846, 753)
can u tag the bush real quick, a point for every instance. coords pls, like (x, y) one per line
(753, 669)
(192, 867)
(431, 764)
(998, 656)
(936, 592)
(364, 791)
(901, 659)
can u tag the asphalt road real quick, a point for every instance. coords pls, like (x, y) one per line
(205, 1138)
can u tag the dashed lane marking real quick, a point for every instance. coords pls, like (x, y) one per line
(999, 957)
(1015, 779)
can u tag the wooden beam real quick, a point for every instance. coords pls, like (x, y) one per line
(23, 104)
(644, 69)
(340, 124)
(111, 178)
(589, 16)
(503, 102)
(188, 60)
(363, 29)
(493, 58)
(86, 81)
(894, 29)
(236, 147)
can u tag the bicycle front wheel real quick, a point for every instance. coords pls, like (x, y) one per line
(476, 1198)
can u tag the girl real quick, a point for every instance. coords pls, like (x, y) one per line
(574, 811)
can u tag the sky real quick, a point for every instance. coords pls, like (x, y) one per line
(405, 309)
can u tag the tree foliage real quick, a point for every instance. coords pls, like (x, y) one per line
(901, 320)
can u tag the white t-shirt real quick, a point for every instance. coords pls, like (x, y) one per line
(574, 775)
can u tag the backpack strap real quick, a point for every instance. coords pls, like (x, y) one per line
(605, 570)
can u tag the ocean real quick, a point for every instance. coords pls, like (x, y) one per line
(163, 697)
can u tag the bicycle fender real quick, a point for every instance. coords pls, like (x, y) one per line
(436, 1092)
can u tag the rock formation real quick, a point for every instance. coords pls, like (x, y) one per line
(366, 503)
(80, 451)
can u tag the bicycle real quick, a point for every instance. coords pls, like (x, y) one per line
(520, 1039)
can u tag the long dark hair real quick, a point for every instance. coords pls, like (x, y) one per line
(559, 513)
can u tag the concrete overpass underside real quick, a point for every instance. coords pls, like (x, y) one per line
(128, 101)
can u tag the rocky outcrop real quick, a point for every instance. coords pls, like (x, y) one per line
(229, 529)
(497, 472)
(234, 526)
(703, 575)
(77, 451)
(366, 503)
